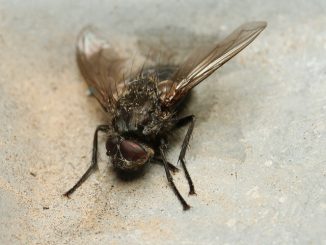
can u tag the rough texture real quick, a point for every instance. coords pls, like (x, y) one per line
(257, 155)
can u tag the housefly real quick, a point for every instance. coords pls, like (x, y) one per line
(143, 107)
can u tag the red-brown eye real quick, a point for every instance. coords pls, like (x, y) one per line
(132, 151)
(111, 146)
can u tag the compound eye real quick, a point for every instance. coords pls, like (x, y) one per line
(112, 146)
(132, 151)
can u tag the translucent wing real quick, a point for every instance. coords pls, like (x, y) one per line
(101, 67)
(199, 67)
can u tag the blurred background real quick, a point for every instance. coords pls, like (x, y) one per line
(257, 155)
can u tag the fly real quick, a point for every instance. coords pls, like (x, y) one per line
(144, 108)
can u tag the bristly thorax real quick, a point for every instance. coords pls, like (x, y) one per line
(138, 110)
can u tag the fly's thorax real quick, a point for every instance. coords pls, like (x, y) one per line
(138, 110)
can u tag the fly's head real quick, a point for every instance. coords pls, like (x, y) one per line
(128, 154)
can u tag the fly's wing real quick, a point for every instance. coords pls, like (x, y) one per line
(101, 67)
(198, 67)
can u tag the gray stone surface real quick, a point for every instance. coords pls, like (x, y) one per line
(257, 155)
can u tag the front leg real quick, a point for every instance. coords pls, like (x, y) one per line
(173, 168)
(103, 128)
(181, 122)
(170, 179)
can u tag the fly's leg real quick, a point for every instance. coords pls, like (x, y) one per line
(170, 179)
(172, 168)
(181, 122)
(103, 128)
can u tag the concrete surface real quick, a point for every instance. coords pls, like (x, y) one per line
(257, 155)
